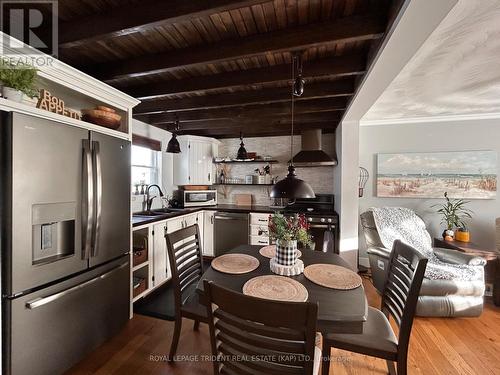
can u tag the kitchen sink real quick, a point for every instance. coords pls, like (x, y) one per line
(157, 212)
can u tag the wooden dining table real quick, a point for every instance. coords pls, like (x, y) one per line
(339, 311)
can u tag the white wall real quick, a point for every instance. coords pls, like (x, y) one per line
(431, 137)
(166, 175)
(320, 178)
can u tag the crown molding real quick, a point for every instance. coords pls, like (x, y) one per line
(431, 119)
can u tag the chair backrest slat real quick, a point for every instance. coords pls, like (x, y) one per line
(402, 288)
(256, 336)
(186, 264)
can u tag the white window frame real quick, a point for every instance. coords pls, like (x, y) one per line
(155, 167)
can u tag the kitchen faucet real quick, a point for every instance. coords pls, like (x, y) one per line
(149, 201)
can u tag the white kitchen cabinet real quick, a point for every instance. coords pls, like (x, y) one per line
(208, 233)
(193, 166)
(160, 257)
(161, 265)
(259, 229)
(190, 219)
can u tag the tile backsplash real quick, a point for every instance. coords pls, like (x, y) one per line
(320, 178)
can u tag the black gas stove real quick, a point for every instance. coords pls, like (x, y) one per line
(320, 209)
(322, 218)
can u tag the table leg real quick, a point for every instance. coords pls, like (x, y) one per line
(496, 283)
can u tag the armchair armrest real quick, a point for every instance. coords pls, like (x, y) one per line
(380, 251)
(458, 257)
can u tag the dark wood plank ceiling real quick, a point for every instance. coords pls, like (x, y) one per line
(220, 66)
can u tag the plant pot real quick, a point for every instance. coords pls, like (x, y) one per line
(286, 252)
(448, 235)
(462, 235)
(12, 94)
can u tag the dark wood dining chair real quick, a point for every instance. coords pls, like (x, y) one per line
(186, 265)
(399, 301)
(257, 336)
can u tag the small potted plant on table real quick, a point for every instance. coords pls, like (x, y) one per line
(288, 232)
(454, 213)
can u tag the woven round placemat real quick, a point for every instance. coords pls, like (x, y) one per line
(235, 263)
(278, 288)
(269, 251)
(332, 276)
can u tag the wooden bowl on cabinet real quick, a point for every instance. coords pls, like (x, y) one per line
(102, 116)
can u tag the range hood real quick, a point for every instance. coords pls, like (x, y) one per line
(311, 154)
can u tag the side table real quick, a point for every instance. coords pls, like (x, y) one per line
(492, 257)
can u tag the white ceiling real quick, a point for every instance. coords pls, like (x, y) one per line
(456, 72)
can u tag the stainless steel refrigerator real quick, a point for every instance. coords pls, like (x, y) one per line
(65, 239)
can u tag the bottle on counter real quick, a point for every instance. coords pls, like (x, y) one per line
(222, 178)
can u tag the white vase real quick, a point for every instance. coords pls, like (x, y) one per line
(286, 252)
(12, 94)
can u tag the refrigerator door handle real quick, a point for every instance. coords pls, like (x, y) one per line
(96, 161)
(37, 302)
(87, 199)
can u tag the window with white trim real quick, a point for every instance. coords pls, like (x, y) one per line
(145, 167)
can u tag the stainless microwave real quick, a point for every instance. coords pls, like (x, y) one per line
(196, 198)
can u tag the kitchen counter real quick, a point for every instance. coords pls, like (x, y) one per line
(142, 220)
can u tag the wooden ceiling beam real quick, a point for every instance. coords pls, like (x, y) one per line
(342, 30)
(342, 87)
(338, 66)
(250, 123)
(259, 132)
(139, 17)
(254, 111)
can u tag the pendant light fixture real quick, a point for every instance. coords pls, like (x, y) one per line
(292, 187)
(173, 146)
(298, 83)
(242, 152)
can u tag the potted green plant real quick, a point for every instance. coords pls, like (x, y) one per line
(17, 80)
(287, 231)
(453, 213)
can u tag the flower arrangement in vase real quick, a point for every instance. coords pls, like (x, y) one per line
(288, 231)
(454, 213)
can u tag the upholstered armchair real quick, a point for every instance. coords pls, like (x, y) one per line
(438, 298)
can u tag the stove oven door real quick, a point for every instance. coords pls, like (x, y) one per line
(324, 237)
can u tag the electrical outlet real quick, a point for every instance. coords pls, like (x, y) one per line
(380, 265)
(488, 290)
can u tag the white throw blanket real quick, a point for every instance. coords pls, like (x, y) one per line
(398, 223)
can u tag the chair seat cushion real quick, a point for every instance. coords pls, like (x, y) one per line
(378, 338)
(449, 306)
(452, 287)
(194, 309)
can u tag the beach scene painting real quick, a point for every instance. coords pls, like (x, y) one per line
(463, 174)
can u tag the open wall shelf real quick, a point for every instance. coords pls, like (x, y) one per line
(243, 184)
(247, 162)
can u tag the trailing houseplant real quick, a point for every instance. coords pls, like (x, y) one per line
(18, 80)
(288, 231)
(454, 214)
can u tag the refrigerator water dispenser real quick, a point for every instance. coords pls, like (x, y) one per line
(53, 226)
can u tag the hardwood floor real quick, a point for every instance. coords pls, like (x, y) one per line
(437, 346)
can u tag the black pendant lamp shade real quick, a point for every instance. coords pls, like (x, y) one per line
(173, 146)
(292, 187)
(242, 152)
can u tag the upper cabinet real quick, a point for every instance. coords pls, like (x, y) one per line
(194, 165)
(65, 94)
